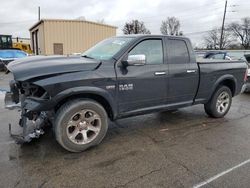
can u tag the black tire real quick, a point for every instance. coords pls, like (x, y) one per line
(67, 113)
(211, 107)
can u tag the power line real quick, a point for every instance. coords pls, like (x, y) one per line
(182, 20)
(180, 13)
(149, 22)
(184, 15)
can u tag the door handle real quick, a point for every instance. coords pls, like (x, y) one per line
(191, 71)
(160, 73)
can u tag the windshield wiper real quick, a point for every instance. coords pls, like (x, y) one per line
(86, 56)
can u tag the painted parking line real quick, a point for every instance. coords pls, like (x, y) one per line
(220, 174)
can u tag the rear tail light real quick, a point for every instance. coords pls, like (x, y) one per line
(245, 78)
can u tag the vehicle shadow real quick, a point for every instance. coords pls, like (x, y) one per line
(157, 127)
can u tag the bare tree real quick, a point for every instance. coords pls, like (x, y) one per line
(135, 27)
(171, 26)
(242, 31)
(212, 39)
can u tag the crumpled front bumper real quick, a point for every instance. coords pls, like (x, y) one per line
(9, 103)
(32, 128)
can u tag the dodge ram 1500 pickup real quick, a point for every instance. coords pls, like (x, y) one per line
(119, 77)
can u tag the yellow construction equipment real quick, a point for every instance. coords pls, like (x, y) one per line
(22, 46)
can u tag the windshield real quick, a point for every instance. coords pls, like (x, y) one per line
(106, 49)
(8, 54)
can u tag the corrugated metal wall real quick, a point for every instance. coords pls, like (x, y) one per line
(76, 36)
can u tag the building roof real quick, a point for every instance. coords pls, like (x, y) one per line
(67, 20)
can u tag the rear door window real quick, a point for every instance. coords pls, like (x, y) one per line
(178, 51)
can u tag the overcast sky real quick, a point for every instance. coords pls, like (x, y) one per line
(196, 16)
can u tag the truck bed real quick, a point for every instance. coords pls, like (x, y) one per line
(213, 71)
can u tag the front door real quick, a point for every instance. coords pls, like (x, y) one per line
(143, 87)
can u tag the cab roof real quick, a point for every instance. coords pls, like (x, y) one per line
(152, 36)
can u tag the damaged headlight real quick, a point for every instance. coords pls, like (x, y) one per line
(32, 90)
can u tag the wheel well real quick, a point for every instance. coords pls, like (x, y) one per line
(101, 100)
(230, 84)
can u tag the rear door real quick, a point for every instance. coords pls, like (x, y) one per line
(183, 71)
(143, 86)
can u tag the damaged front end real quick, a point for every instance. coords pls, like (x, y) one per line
(33, 89)
(23, 96)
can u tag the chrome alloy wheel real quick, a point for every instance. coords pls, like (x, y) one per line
(83, 127)
(223, 102)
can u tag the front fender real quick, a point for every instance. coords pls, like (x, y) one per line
(86, 90)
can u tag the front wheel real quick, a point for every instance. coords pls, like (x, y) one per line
(80, 124)
(220, 103)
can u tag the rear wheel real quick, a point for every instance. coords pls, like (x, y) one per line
(220, 103)
(80, 124)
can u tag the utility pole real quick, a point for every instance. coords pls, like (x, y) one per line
(39, 16)
(223, 24)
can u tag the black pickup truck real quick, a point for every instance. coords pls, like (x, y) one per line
(119, 77)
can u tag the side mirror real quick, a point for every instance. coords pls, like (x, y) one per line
(136, 60)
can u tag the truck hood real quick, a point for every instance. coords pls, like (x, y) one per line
(37, 66)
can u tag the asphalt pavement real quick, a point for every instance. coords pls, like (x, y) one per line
(183, 148)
